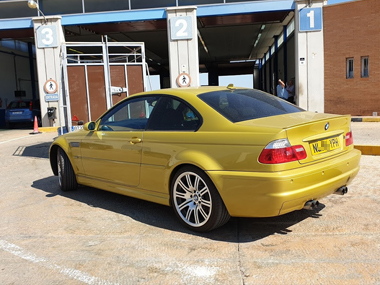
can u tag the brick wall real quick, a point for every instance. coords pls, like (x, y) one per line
(352, 30)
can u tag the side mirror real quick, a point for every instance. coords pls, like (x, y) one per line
(90, 126)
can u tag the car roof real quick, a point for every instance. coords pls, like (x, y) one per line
(191, 90)
(25, 100)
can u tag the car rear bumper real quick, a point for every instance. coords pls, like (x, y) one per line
(26, 120)
(19, 118)
(263, 194)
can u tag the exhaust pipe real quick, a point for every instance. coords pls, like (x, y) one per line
(311, 205)
(341, 191)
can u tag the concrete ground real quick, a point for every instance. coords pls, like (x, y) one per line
(367, 137)
(366, 133)
(94, 237)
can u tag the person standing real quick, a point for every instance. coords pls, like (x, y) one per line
(290, 89)
(281, 90)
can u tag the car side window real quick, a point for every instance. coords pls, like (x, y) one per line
(174, 115)
(130, 115)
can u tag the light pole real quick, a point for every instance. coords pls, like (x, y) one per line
(33, 5)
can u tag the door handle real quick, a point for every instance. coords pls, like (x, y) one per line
(135, 140)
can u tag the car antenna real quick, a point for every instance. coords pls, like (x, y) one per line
(231, 86)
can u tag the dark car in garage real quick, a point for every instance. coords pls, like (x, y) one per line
(22, 111)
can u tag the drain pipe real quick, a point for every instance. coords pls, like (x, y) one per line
(15, 67)
(32, 72)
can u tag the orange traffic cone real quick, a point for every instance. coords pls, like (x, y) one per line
(35, 129)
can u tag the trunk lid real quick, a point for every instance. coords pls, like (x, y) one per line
(322, 135)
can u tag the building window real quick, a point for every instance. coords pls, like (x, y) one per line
(105, 5)
(16, 9)
(54, 7)
(350, 68)
(146, 4)
(365, 69)
(198, 2)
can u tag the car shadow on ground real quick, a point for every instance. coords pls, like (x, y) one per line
(38, 150)
(237, 230)
(22, 126)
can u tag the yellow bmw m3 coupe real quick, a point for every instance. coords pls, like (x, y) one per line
(211, 153)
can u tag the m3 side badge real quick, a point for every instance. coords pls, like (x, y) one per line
(327, 126)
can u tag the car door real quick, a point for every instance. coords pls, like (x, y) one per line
(112, 152)
(171, 129)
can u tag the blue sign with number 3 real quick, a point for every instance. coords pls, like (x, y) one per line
(47, 36)
(310, 19)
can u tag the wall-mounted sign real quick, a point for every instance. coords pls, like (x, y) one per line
(51, 86)
(181, 28)
(183, 80)
(52, 97)
(310, 19)
(47, 36)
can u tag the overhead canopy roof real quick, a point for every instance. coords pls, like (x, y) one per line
(226, 32)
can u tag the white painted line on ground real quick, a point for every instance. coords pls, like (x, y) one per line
(69, 272)
(14, 139)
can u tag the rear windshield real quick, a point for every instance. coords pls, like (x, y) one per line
(247, 104)
(23, 105)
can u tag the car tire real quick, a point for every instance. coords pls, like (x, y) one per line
(66, 176)
(196, 201)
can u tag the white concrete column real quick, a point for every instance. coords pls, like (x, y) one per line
(183, 46)
(309, 54)
(48, 36)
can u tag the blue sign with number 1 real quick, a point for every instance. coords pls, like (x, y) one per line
(310, 19)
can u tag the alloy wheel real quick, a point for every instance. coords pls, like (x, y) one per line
(192, 199)
(60, 167)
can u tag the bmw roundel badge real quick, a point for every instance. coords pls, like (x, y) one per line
(327, 126)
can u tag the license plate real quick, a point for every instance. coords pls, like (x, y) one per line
(325, 145)
(16, 113)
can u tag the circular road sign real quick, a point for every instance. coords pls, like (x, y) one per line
(51, 86)
(184, 80)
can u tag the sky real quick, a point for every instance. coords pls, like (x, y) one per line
(237, 80)
(329, 2)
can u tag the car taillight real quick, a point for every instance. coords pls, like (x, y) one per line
(280, 151)
(349, 138)
(30, 106)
